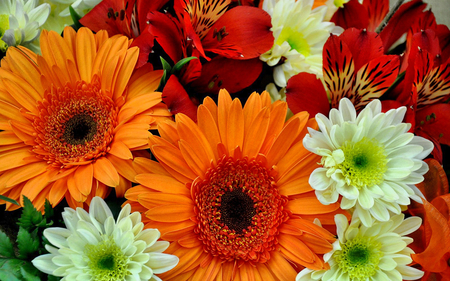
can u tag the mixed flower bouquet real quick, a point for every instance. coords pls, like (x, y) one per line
(223, 140)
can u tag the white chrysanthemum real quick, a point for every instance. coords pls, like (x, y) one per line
(60, 14)
(376, 253)
(25, 20)
(300, 34)
(96, 247)
(369, 159)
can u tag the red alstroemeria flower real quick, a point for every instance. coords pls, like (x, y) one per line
(370, 14)
(426, 86)
(126, 17)
(226, 39)
(354, 66)
(432, 239)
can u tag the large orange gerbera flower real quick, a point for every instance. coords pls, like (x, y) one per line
(73, 117)
(232, 192)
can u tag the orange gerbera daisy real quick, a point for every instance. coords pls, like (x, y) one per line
(231, 193)
(73, 118)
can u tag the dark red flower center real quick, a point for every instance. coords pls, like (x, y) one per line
(239, 210)
(74, 124)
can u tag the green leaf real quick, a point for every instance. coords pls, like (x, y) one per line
(75, 17)
(27, 242)
(30, 216)
(10, 270)
(29, 272)
(9, 200)
(6, 247)
(166, 66)
(48, 210)
(179, 65)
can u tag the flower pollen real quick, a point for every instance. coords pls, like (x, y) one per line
(239, 210)
(74, 124)
(365, 162)
(359, 257)
(106, 261)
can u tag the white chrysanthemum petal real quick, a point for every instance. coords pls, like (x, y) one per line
(379, 161)
(375, 253)
(408, 226)
(96, 242)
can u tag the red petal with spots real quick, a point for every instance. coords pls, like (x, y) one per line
(177, 99)
(400, 22)
(304, 92)
(376, 11)
(373, 79)
(241, 33)
(338, 69)
(229, 74)
(353, 14)
(103, 16)
(435, 120)
(364, 46)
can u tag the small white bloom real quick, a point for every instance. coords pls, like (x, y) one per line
(25, 20)
(300, 34)
(376, 253)
(370, 160)
(94, 246)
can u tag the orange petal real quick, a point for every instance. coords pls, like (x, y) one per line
(171, 213)
(8, 137)
(224, 104)
(123, 167)
(433, 258)
(163, 183)
(144, 165)
(153, 199)
(27, 172)
(280, 267)
(235, 128)
(16, 158)
(173, 158)
(105, 172)
(277, 117)
(57, 191)
(208, 126)
(256, 133)
(310, 205)
(120, 150)
(83, 178)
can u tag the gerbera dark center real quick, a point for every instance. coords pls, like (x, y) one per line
(237, 210)
(80, 129)
(75, 124)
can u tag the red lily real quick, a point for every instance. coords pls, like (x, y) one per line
(228, 42)
(426, 86)
(354, 66)
(370, 14)
(126, 17)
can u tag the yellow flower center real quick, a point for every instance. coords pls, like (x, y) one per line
(295, 39)
(359, 257)
(340, 3)
(365, 162)
(106, 261)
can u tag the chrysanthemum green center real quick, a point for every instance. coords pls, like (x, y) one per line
(359, 257)
(106, 261)
(364, 164)
(295, 39)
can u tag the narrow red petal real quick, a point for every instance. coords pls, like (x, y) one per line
(177, 99)
(376, 11)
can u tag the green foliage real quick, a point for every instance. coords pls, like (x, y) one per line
(75, 17)
(16, 265)
(9, 200)
(169, 70)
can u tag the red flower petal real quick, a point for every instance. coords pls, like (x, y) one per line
(229, 74)
(304, 92)
(364, 46)
(376, 11)
(353, 14)
(338, 69)
(177, 99)
(241, 33)
(103, 16)
(167, 33)
(400, 22)
(145, 43)
(435, 181)
(435, 120)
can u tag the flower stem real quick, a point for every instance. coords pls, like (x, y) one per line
(388, 17)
